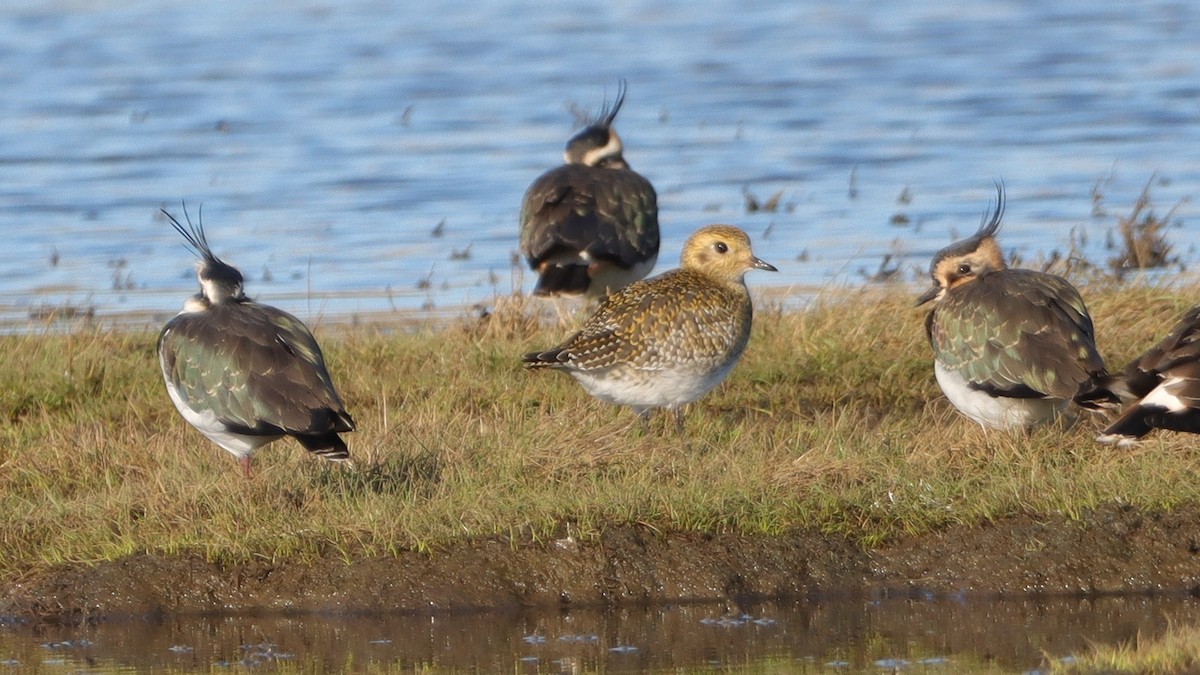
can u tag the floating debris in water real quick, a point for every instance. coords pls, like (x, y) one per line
(623, 649)
(732, 620)
(68, 644)
(180, 649)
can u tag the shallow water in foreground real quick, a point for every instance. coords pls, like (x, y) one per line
(848, 635)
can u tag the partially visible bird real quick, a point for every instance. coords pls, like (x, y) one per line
(1012, 347)
(666, 341)
(1165, 383)
(590, 226)
(245, 374)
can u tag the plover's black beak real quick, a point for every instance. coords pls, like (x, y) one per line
(760, 264)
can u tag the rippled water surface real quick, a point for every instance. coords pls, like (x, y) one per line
(848, 635)
(331, 143)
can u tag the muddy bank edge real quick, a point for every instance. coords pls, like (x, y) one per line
(1109, 550)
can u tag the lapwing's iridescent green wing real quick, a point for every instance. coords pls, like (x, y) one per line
(612, 214)
(1017, 330)
(257, 368)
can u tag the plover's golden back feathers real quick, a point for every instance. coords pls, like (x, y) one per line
(679, 319)
(666, 341)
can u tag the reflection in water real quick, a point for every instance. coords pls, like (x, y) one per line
(850, 634)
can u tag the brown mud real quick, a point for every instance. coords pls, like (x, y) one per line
(1111, 550)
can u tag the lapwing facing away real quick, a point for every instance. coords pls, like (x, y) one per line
(1012, 347)
(1165, 381)
(246, 374)
(666, 341)
(590, 226)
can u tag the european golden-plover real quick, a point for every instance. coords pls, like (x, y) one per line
(1165, 385)
(246, 374)
(1012, 347)
(666, 341)
(590, 226)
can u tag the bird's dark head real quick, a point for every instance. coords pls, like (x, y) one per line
(598, 144)
(219, 281)
(965, 261)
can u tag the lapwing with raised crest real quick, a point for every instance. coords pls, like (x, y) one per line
(590, 226)
(1012, 347)
(243, 373)
(666, 341)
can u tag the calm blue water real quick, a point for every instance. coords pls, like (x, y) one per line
(327, 140)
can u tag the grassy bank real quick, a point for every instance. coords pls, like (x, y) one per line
(831, 422)
(1178, 651)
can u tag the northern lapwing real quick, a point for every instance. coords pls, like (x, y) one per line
(1012, 347)
(1165, 383)
(243, 373)
(590, 226)
(666, 341)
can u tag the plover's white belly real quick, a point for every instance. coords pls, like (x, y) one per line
(666, 388)
(996, 412)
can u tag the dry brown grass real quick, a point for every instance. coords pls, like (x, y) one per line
(831, 422)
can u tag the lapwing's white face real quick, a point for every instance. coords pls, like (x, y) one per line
(595, 146)
(607, 153)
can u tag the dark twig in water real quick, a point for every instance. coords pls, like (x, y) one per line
(753, 205)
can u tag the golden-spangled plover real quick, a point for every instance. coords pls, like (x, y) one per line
(666, 341)
(1164, 384)
(246, 374)
(590, 226)
(1012, 347)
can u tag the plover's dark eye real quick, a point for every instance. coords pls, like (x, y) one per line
(964, 269)
(720, 247)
